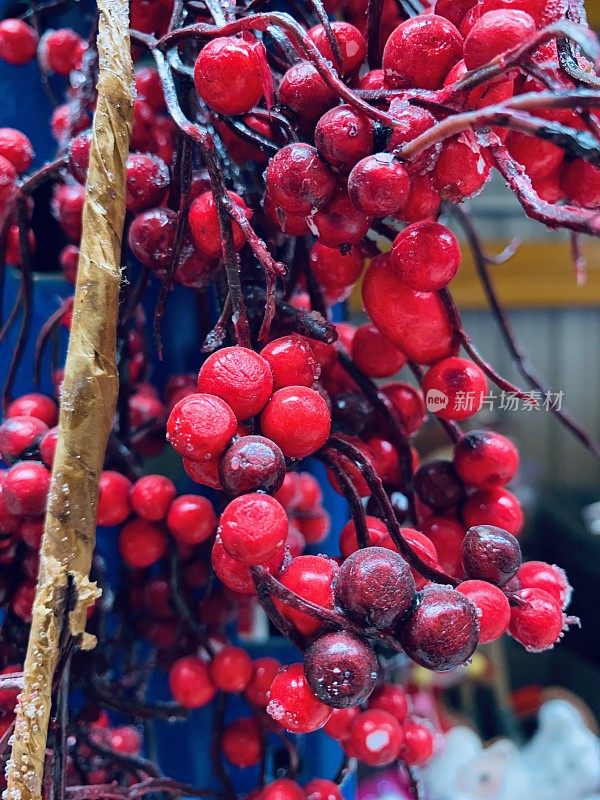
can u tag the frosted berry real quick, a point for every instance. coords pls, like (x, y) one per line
(251, 464)
(453, 10)
(147, 182)
(228, 75)
(375, 587)
(337, 272)
(549, 577)
(496, 32)
(311, 577)
(292, 361)
(16, 148)
(298, 420)
(461, 170)
(424, 199)
(141, 543)
(425, 256)
(200, 426)
(18, 42)
(113, 498)
(61, 51)
(454, 388)
(253, 527)
(494, 507)
(540, 158)
(537, 622)
(25, 489)
(151, 496)
(343, 137)
(231, 669)
(375, 737)
(485, 458)
(379, 185)
(492, 605)
(490, 554)
(304, 91)
(151, 237)
(292, 703)
(190, 683)
(341, 669)
(353, 48)
(242, 742)
(298, 180)
(34, 405)
(204, 224)
(443, 631)
(239, 376)
(20, 437)
(237, 576)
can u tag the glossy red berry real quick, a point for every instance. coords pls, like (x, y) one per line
(147, 182)
(425, 256)
(292, 361)
(292, 703)
(453, 10)
(298, 180)
(416, 322)
(251, 464)
(141, 544)
(20, 437)
(242, 742)
(549, 577)
(337, 272)
(496, 32)
(375, 737)
(460, 171)
(420, 52)
(113, 498)
(492, 607)
(379, 185)
(490, 554)
(239, 376)
(190, 682)
(454, 388)
(298, 420)
(204, 472)
(31, 532)
(48, 444)
(228, 75)
(322, 789)
(231, 669)
(237, 576)
(417, 747)
(151, 496)
(494, 506)
(353, 48)
(200, 426)
(538, 621)
(485, 458)
(16, 148)
(392, 698)
(340, 223)
(191, 519)
(204, 224)
(25, 489)
(282, 789)
(61, 51)
(18, 42)
(34, 405)
(311, 577)
(304, 91)
(339, 723)
(341, 669)
(424, 199)
(151, 237)
(443, 631)
(253, 528)
(375, 355)
(438, 485)
(343, 137)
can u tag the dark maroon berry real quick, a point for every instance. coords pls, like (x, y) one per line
(399, 503)
(375, 586)
(352, 413)
(252, 464)
(443, 631)
(298, 181)
(490, 554)
(438, 485)
(341, 669)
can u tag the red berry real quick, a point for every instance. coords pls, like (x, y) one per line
(253, 528)
(34, 405)
(339, 723)
(69, 258)
(151, 237)
(423, 201)
(392, 698)
(492, 605)
(61, 51)
(322, 789)
(420, 52)
(228, 75)
(408, 404)
(235, 575)
(239, 376)
(425, 256)
(66, 121)
(496, 32)
(538, 622)
(31, 532)
(25, 489)
(540, 158)
(200, 426)
(12, 253)
(292, 703)
(375, 355)
(9, 522)
(149, 88)
(191, 519)
(141, 544)
(375, 737)
(376, 530)
(22, 600)
(461, 170)
(16, 148)
(67, 207)
(204, 472)
(454, 388)
(113, 498)
(298, 420)
(549, 577)
(304, 91)
(204, 224)
(340, 223)
(20, 436)
(423, 547)
(336, 272)
(257, 690)
(410, 122)
(292, 361)
(311, 577)
(18, 42)
(190, 682)
(343, 137)
(443, 630)
(581, 183)
(453, 10)
(379, 185)
(231, 669)
(242, 742)
(251, 464)
(416, 322)
(494, 506)
(125, 740)
(417, 747)
(341, 669)
(447, 535)
(147, 182)
(297, 180)
(372, 80)
(484, 459)
(282, 789)
(353, 48)
(151, 497)
(142, 134)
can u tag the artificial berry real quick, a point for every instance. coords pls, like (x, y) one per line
(61, 51)
(251, 464)
(22, 600)
(375, 587)
(20, 437)
(298, 420)
(292, 703)
(231, 669)
(292, 361)
(18, 42)
(376, 533)
(141, 544)
(25, 488)
(9, 522)
(343, 137)
(453, 10)
(151, 237)
(242, 742)
(12, 252)
(322, 789)
(151, 496)
(239, 376)
(34, 405)
(204, 472)
(339, 723)
(417, 747)
(540, 158)
(304, 91)
(375, 355)
(375, 737)
(149, 88)
(351, 43)
(200, 426)
(379, 185)
(494, 506)
(297, 179)
(257, 690)
(67, 121)
(282, 789)
(425, 256)
(314, 526)
(422, 546)
(492, 605)
(191, 519)
(420, 52)
(392, 698)
(147, 182)
(31, 532)
(443, 630)
(336, 272)
(490, 554)
(537, 621)
(203, 220)
(438, 485)
(16, 148)
(408, 405)
(341, 669)
(485, 458)
(580, 182)
(190, 682)
(113, 498)
(237, 576)
(424, 199)
(312, 578)
(340, 223)
(454, 388)
(253, 527)
(549, 577)
(496, 32)
(228, 75)
(125, 739)
(447, 535)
